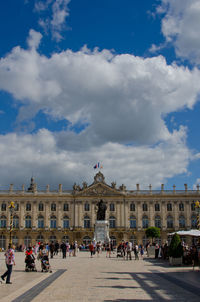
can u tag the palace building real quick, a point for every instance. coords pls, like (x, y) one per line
(71, 215)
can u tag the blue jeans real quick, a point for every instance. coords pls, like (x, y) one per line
(8, 272)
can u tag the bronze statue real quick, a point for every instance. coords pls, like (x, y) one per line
(101, 212)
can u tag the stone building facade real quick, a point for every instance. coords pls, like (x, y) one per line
(71, 215)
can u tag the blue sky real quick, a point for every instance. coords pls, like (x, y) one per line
(110, 81)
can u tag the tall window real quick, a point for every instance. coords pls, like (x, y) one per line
(145, 207)
(15, 222)
(16, 207)
(133, 222)
(3, 221)
(3, 207)
(87, 207)
(193, 221)
(28, 222)
(28, 207)
(169, 207)
(157, 221)
(170, 222)
(145, 222)
(66, 207)
(112, 207)
(181, 221)
(40, 207)
(27, 241)
(157, 207)
(181, 206)
(112, 223)
(193, 206)
(40, 238)
(86, 222)
(65, 222)
(40, 222)
(53, 207)
(53, 222)
(132, 207)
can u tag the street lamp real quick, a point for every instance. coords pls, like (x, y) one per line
(11, 208)
(197, 209)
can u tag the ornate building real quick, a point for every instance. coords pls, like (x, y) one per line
(71, 215)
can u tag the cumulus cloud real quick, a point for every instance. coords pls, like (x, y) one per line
(180, 26)
(120, 101)
(56, 23)
(40, 154)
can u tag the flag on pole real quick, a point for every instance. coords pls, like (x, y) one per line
(98, 166)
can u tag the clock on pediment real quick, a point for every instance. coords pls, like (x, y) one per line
(99, 177)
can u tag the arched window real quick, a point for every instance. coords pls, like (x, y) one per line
(16, 207)
(181, 206)
(145, 207)
(193, 221)
(112, 207)
(145, 222)
(15, 240)
(65, 238)
(170, 222)
(132, 207)
(65, 222)
(40, 238)
(169, 207)
(2, 242)
(133, 222)
(53, 222)
(157, 221)
(65, 207)
(40, 222)
(157, 207)
(28, 222)
(133, 240)
(15, 222)
(87, 207)
(86, 240)
(53, 207)
(193, 206)
(28, 207)
(52, 238)
(3, 221)
(86, 222)
(112, 223)
(41, 207)
(3, 207)
(27, 241)
(113, 241)
(181, 221)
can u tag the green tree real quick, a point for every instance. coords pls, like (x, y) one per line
(175, 248)
(153, 232)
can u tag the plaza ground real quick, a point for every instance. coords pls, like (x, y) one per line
(85, 279)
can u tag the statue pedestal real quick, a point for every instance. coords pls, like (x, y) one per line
(101, 231)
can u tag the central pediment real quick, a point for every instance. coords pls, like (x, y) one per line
(99, 189)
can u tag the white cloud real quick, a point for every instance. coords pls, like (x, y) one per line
(180, 25)
(122, 99)
(34, 39)
(56, 23)
(40, 154)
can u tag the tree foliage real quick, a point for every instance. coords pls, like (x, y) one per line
(175, 248)
(153, 232)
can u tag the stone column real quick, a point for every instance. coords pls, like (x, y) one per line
(163, 215)
(176, 216)
(151, 213)
(34, 214)
(118, 214)
(21, 214)
(46, 215)
(187, 214)
(59, 213)
(76, 214)
(121, 214)
(126, 213)
(139, 214)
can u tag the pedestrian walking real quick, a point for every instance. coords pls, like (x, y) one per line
(10, 261)
(63, 248)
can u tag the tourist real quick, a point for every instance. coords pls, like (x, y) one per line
(52, 248)
(98, 247)
(91, 249)
(108, 250)
(128, 251)
(56, 247)
(156, 250)
(63, 248)
(142, 251)
(10, 261)
(136, 251)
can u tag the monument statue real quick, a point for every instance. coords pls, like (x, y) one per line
(101, 212)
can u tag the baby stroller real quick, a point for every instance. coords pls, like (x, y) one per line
(119, 251)
(45, 265)
(30, 263)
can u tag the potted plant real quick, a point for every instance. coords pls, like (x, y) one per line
(175, 250)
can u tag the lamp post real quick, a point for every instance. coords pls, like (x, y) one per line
(197, 209)
(11, 208)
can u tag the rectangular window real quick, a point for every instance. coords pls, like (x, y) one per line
(65, 207)
(169, 207)
(87, 207)
(181, 207)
